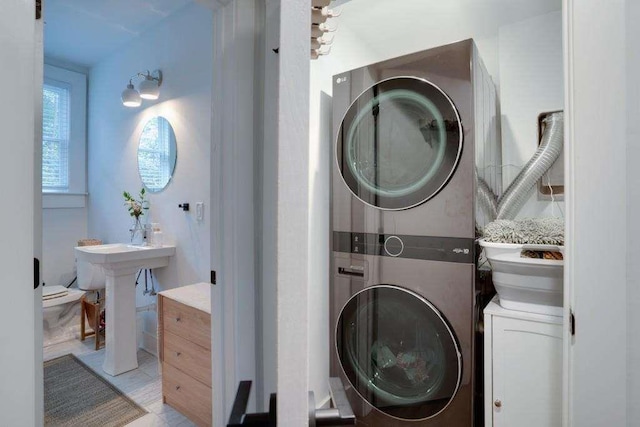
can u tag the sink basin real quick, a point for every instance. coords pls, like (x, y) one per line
(121, 262)
(120, 252)
(526, 284)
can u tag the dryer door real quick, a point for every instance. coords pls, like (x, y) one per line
(399, 143)
(398, 352)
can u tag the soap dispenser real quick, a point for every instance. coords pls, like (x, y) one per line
(148, 234)
(157, 235)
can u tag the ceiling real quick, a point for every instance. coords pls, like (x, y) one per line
(82, 32)
(375, 30)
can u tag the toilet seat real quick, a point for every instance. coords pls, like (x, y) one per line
(49, 292)
(51, 300)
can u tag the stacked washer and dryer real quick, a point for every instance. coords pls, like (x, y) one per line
(413, 137)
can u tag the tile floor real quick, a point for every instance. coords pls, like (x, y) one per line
(143, 385)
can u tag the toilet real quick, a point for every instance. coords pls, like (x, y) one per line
(90, 276)
(61, 306)
(60, 314)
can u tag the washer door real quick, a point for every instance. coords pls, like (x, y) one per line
(398, 352)
(399, 143)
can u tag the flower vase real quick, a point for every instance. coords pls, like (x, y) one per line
(137, 233)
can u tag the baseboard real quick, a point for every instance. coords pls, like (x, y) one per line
(149, 343)
(147, 340)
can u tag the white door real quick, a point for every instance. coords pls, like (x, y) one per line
(20, 332)
(596, 371)
(37, 216)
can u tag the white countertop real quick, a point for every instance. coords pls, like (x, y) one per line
(494, 308)
(197, 296)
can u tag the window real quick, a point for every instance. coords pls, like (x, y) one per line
(64, 138)
(55, 137)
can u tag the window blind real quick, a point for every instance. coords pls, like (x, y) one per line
(55, 137)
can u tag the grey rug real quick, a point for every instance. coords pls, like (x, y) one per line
(74, 395)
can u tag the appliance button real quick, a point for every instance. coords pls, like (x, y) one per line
(357, 248)
(357, 238)
(393, 246)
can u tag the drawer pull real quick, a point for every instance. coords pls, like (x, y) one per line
(497, 403)
(351, 272)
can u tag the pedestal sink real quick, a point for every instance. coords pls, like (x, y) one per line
(121, 262)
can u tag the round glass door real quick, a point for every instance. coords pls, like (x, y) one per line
(399, 143)
(398, 352)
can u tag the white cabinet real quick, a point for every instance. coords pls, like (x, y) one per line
(523, 368)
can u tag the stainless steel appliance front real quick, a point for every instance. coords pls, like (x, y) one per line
(400, 342)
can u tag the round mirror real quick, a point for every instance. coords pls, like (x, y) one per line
(157, 154)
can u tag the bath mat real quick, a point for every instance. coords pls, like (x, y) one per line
(74, 395)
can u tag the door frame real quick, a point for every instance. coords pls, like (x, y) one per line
(293, 303)
(234, 322)
(233, 207)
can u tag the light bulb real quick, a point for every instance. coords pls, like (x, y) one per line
(149, 88)
(131, 97)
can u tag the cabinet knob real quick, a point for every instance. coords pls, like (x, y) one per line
(497, 403)
(177, 387)
(178, 354)
(177, 319)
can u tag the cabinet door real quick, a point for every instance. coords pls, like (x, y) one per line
(527, 373)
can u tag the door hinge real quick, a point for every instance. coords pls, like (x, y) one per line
(38, 9)
(572, 323)
(213, 277)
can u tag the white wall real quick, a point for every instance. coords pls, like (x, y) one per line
(370, 31)
(531, 82)
(181, 46)
(61, 230)
(633, 207)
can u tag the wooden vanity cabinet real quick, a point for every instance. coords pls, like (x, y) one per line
(184, 332)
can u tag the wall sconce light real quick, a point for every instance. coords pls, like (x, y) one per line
(149, 88)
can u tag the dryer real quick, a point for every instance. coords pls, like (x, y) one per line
(414, 135)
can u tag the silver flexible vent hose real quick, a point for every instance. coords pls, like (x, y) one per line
(548, 152)
(487, 199)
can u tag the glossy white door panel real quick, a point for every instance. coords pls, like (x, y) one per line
(597, 208)
(20, 332)
(38, 251)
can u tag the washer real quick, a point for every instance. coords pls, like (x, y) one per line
(413, 136)
(401, 346)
